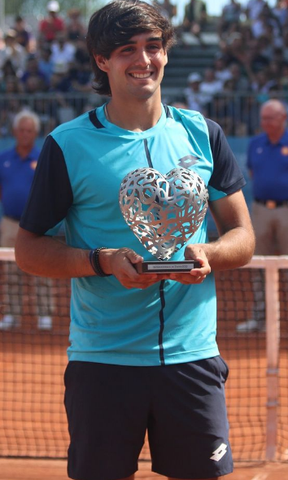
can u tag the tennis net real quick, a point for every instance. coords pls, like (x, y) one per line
(33, 359)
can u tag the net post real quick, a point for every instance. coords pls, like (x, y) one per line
(272, 350)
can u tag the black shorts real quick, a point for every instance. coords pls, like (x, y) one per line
(182, 406)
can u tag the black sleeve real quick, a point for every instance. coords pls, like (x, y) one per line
(51, 194)
(227, 176)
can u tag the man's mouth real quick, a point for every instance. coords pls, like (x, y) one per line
(141, 75)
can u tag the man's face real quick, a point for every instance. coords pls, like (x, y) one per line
(272, 121)
(136, 69)
(25, 133)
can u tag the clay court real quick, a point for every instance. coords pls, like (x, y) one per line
(33, 429)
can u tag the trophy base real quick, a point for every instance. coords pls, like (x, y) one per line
(167, 267)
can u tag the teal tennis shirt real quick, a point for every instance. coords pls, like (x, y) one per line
(77, 181)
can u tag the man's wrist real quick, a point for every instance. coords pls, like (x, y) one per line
(94, 258)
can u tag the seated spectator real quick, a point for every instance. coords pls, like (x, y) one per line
(44, 61)
(32, 69)
(209, 87)
(75, 27)
(167, 9)
(280, 11)
(34, 85)
(267, 25)
(254, 9)
(195, 18)
(233, 48)
(24, 35)
(52, 24)
(62, 51)
(195, 100)
(240, 81)
(230, 18)
(222, 71)
(13, 51)
(10, 83)
(10, 105)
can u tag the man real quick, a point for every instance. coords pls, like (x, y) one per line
(195, 18)
(143, 354)
(51, 25)
(17, 167)
(268, 165)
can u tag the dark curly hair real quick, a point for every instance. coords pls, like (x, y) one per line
(114, 24)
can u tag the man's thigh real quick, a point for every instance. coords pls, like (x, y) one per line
(107, 412)
(188, 428)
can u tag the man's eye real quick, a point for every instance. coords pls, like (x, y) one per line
(127, 49)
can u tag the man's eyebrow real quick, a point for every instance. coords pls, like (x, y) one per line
(149, 39)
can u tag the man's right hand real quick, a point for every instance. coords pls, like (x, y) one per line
(121, 263)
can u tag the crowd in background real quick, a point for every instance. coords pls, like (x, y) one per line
(252, 58)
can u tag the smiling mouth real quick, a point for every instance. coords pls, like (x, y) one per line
(141, 75)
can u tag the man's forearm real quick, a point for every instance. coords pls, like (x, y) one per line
(232, 250)
(50, 257)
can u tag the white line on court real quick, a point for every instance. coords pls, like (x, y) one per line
(260, 476)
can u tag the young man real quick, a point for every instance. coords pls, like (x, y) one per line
(143, 354)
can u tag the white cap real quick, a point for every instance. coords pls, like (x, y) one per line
(194, 77)
(53, 6)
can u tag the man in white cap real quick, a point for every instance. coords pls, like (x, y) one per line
(52, 24)
(194, 98)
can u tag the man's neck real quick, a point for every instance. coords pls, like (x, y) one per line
(137, 116)
(23, 152)
(276, 137)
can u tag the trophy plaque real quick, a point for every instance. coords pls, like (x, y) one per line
(163, 211)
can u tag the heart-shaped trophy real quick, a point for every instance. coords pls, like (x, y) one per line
(163, 211)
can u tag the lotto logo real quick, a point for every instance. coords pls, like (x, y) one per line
(219, 453)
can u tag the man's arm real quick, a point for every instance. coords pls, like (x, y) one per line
(50, 257)
(235, 245)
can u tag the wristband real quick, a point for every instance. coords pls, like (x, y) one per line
(95, 264)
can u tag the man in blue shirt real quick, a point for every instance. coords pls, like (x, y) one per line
(17, 167)
(143, 354)
(268, 165)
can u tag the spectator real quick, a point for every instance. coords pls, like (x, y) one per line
(241, 82)
(280, 11)
(17, 166)
(209, 87)
(221, 70)
(195, 18)
(24, 35)
(167, 9)
(52, 24)
(32, 70)
(75, 27)
(254, 9)
(14, 52)
(267, 162)
(194, 98)
(44, 61)
(63, 52)
(230, 18)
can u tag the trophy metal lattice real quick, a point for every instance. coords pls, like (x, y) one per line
(163, 211)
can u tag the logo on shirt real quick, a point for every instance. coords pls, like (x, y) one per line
(188, 161)
(7, 164)
(33, 164)
(259, 150)
(284, 151)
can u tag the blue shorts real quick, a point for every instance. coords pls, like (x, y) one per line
(182, 407)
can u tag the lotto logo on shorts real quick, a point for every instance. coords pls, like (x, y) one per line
(219, 453)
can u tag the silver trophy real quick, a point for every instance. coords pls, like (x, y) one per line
(163, 211)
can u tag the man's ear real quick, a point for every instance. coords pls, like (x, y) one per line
(101, 62)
